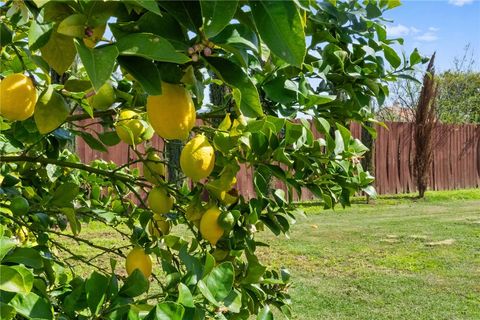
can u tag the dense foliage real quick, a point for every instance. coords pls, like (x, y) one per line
(278, 60)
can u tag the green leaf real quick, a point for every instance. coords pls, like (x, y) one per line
(59, 60)
(373, 11)
(77, 85)
(145, 72)
(64, 194)
(188, 13)
(235, 77)
(26, 256)
(134, 285)
(339, 144)
(265, 314)
(166, 311)
(280, 26)
(6, 244)
(202, 286)
(32, 306)
(15, 279)
(391, 56)
(6, 312)
(41, 3)
(91, 140)
(98, 62)
(185, 296)
(51, 111)
(217, 14)
(415, 57)
(73, 26)
(95, 289)
(220, 280)
(234, 301)
(109, 138)
(39, 34)
(281, 90)
(5, 35)
(394, 3)
(149, 5)
(150, 46)
(73, 221)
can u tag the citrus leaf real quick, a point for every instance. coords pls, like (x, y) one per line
(391, 56)
(98, 62)
(51, 111)
(15, 279)
(41, 3)
(185, 12)
(73, 26)
(6, 244)
(73, 221)
(64, 195)
(265, 314)
(280, 26)
(95, 289)
(91, 140)
(5, 35)
(220, 280)
(59, 60)
(32, 306)
(150, 46)
(26, 256)
(166, 310)
(234, 301)
(6, 312)
(149, 5)
(145, 72)
(235, 77)
(217, 15)
(39, 34)
(134, 285)
(185, 296)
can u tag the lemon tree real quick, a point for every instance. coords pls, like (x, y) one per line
(119, 73)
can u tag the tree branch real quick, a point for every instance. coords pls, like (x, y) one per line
(74, 165)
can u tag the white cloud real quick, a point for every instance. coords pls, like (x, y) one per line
(400, 30)
(427, 37)
(460, 3)
(433, 29)
(414, 30)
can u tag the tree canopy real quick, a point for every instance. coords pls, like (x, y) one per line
(123, 63)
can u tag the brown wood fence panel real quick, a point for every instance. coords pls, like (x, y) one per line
(456, 158)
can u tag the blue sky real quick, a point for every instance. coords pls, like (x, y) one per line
(445, 26)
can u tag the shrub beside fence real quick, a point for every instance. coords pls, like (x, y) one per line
(456, 158)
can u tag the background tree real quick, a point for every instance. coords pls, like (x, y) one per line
(140, 76)
(425, 121)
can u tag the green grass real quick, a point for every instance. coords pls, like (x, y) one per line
(395, 258)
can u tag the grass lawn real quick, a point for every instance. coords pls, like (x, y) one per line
(396, 258)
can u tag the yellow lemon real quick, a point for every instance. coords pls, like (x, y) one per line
(153, 170)
(197, 158)
(138, 259)
(18, 97)
(171, 114)
(159, 201)
(159, 226)
(209, 227)
(129, 127)
(103, 98)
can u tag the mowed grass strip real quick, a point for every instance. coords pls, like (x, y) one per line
(395, 258)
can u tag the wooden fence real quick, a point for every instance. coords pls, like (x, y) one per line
(456, 158)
